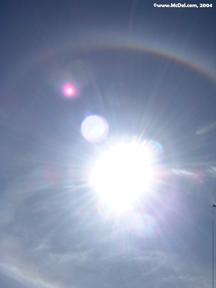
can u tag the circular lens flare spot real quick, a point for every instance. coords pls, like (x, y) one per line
(94, 128)
(69, 90)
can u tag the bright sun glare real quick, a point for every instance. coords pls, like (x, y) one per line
(122, 175)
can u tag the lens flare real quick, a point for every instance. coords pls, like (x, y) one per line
(69, 90)
(94, 128)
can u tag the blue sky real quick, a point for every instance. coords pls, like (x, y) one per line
(151, 73)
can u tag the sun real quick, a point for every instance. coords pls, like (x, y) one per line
(122, 174)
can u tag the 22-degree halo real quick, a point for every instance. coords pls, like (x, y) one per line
(122, 175)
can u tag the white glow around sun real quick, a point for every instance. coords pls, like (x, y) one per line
(122, 175)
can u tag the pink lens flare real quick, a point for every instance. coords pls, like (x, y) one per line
(69, 90)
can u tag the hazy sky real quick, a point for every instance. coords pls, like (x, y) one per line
(151, 73)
